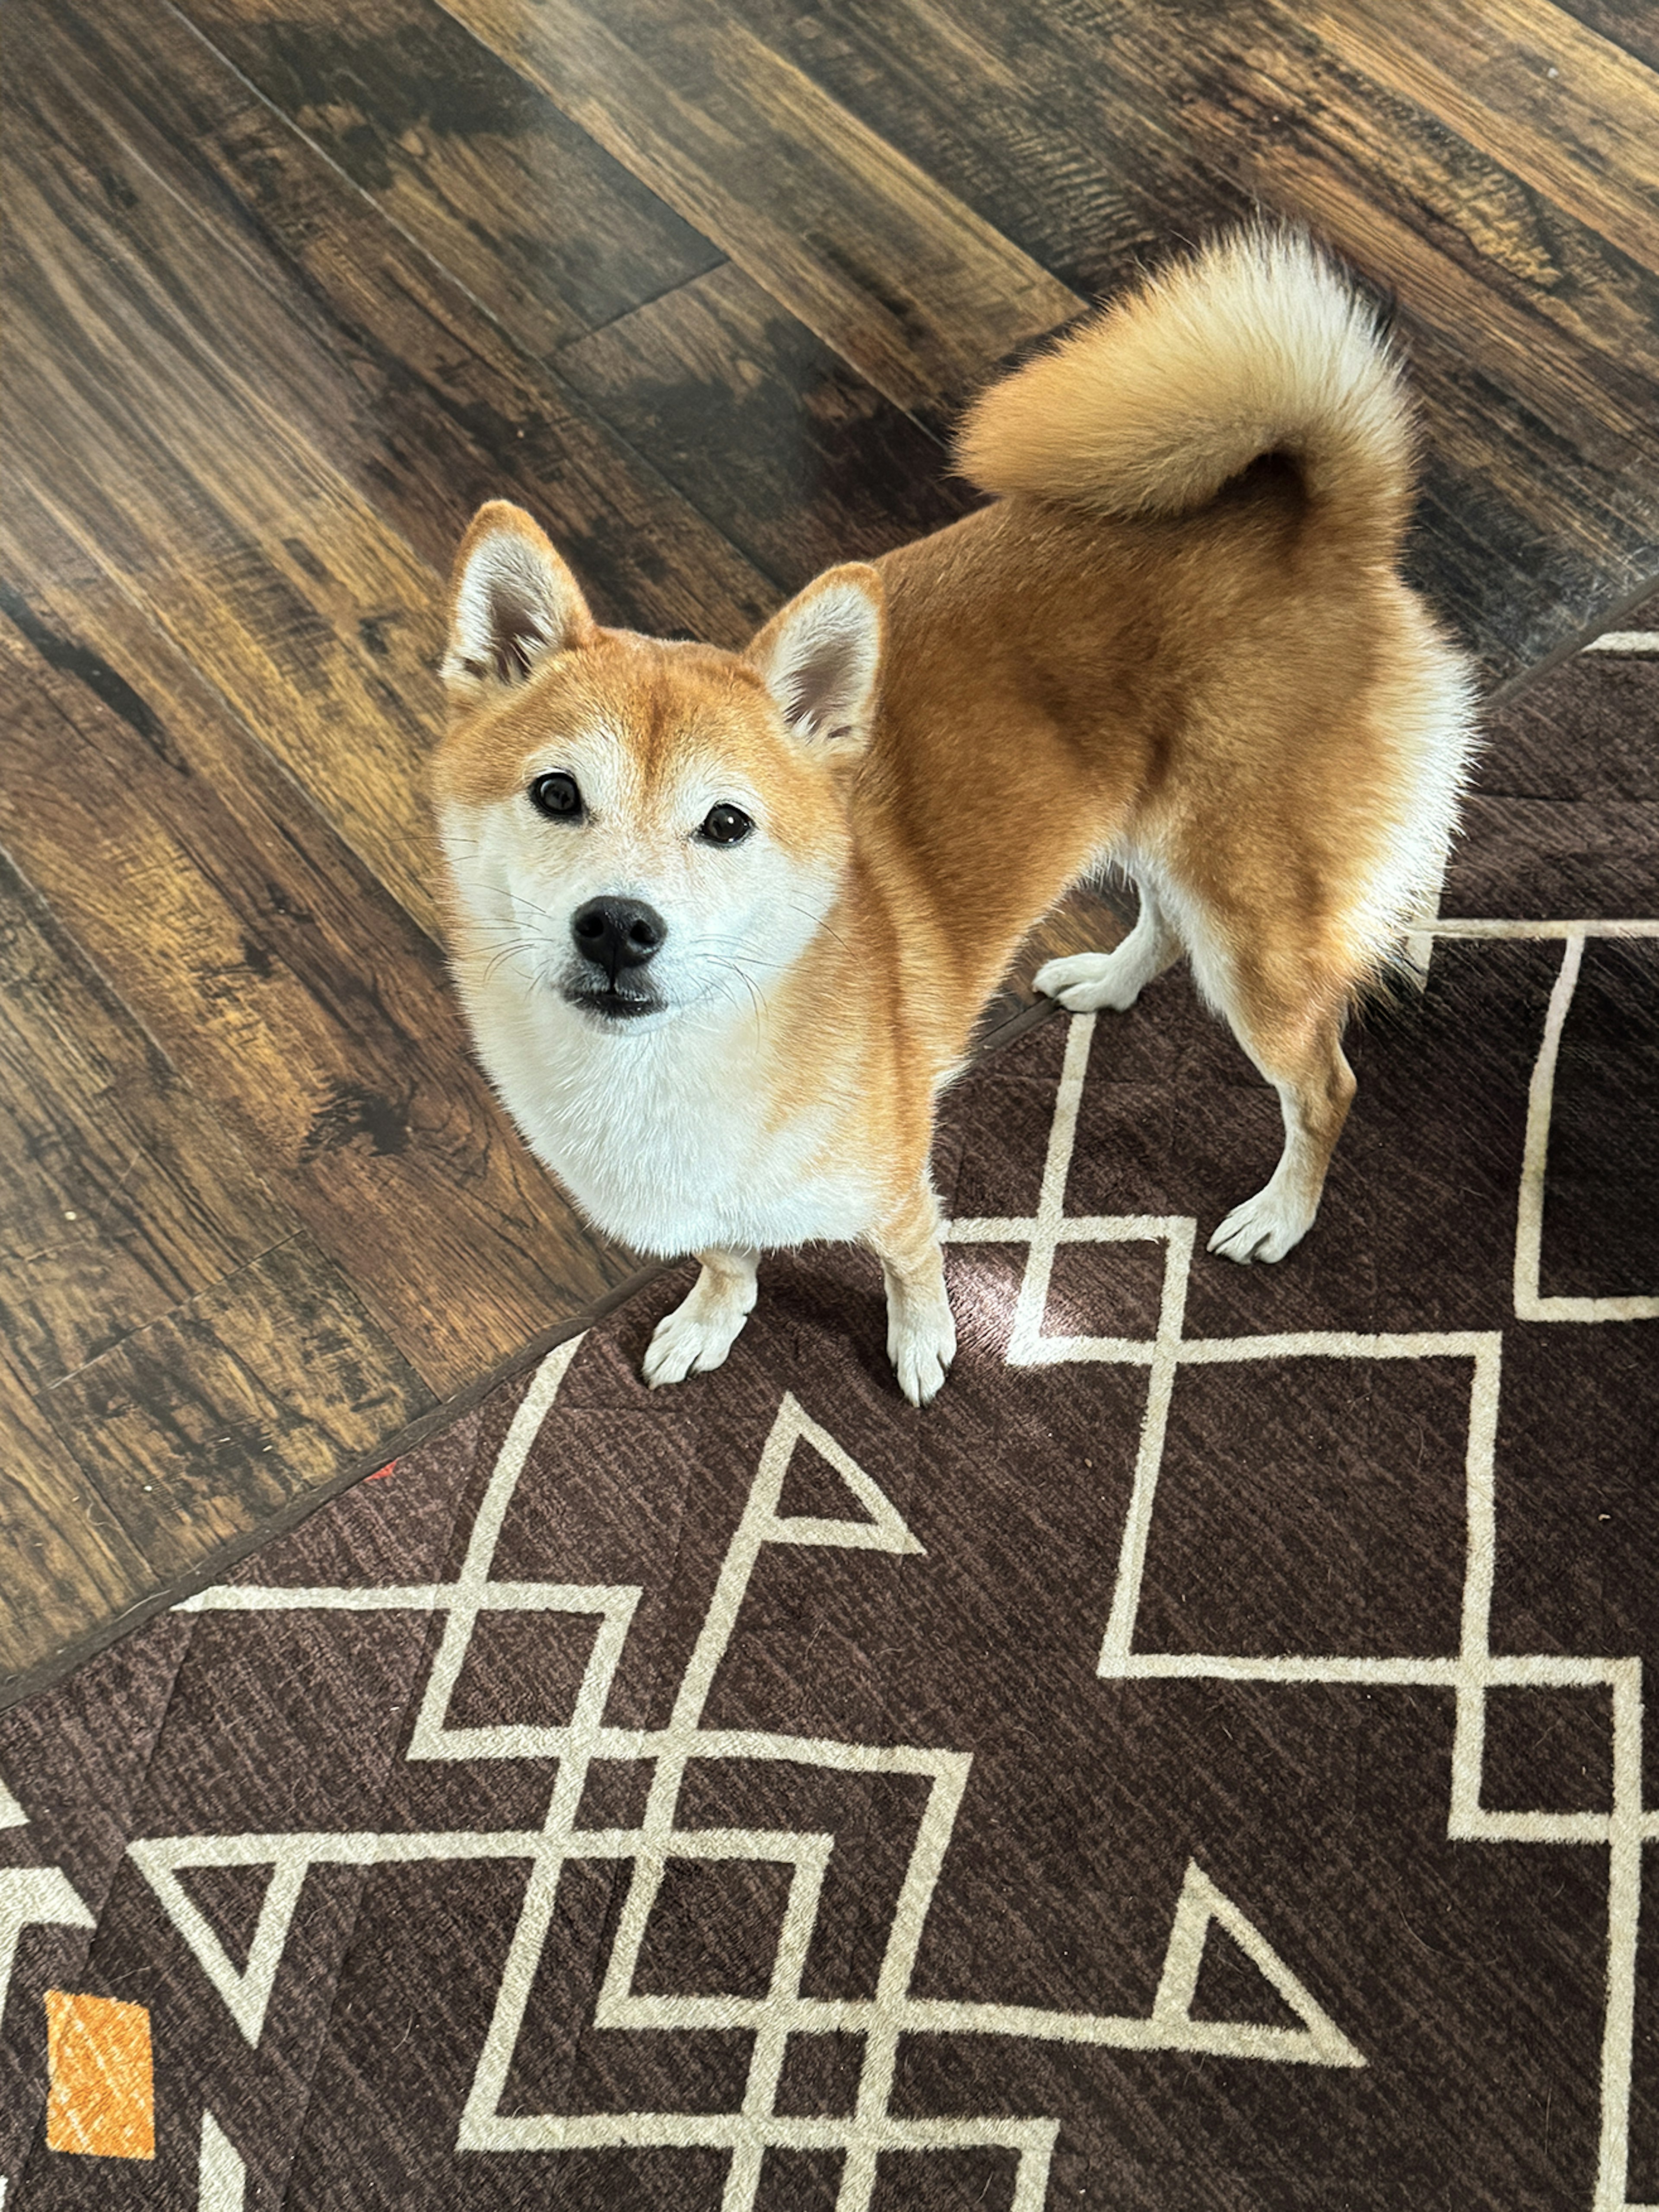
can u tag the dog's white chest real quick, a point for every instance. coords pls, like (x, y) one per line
(665, 1138)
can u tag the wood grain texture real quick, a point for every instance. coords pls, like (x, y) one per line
(1067, 163)
(542, 226)
(1632, 24)
(218, 1413)
(798, 459)
(289, 989)
(1570, 112)
(300, 471)
(130, 1210)
(125, 1196)
(919, 293)
(385, 363)
(67, 1567)
(1099, 133)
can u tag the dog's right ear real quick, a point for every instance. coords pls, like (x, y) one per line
(512, 603)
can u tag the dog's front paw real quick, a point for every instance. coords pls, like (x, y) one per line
(691, 1341)
(1266, 1227)
(921, 1342)
(1087, 981)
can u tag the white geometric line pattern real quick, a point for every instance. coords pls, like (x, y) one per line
(1529, 1305)
(1616, 927)
(221, 2177)
(33, 1897)
(1469, 1674)
(1473, 1670)
(246, 1991)
(1431, 924)
(892, 2013)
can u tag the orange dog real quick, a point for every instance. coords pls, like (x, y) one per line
(723, 922)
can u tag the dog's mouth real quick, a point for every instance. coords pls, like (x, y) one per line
(611, 1004)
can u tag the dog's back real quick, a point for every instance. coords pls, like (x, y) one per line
(1179, 634)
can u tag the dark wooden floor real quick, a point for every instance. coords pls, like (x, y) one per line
(290, 286)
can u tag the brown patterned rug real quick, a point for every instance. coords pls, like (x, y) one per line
(1199, 1765)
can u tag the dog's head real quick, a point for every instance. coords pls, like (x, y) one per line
(637, 826)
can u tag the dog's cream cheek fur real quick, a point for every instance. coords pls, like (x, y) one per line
(638, 1119)
(731, 915)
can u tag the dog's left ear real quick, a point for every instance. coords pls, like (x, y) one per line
(512, 601)
(821, 656)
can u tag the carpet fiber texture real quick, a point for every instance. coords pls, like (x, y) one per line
(1198, 1764)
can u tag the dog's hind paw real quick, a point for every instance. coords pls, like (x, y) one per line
(921, 1346)
(1266, 1227)
(1086, 981)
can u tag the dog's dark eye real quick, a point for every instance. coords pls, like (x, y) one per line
(558, 796)
(725, 825)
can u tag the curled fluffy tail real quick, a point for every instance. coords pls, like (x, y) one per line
(1255, 344)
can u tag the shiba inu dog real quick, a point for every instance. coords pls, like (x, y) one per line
(723, 921)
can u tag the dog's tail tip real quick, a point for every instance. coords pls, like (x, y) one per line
(1258, 343)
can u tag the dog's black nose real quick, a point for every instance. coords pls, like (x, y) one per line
(615, 934)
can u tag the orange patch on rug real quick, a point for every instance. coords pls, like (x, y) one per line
(102, 2099)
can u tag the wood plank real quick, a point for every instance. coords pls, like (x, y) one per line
(1532, 343)
(247, 548)
(222, 1412)
(1508, 236)
(229, 448)
(1532, 339)
(64, 1561)
(783, 446)
(1077, 181)
(1575, 115)
(385, 365)
(888, 269)
(285, 985)
(554, 236)
(170, 1234)
(1632, 24)
(124, 1195)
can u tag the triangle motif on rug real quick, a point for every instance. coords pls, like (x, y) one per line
(879, 1527)
(246, 1989)
(1201, 1906)
(230, 1898)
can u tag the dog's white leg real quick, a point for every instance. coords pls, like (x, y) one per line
(1303, 1059)
(921, 1335)
(1086, 981)
(703, 1328)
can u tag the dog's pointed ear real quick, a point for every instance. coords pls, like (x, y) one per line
(512, 603)
(821, 656)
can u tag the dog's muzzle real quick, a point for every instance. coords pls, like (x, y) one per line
(615, 939)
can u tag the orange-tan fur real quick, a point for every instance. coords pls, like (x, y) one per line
(1177, 638)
